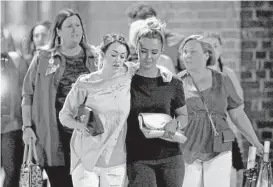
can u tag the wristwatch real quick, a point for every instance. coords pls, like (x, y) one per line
(24, 127)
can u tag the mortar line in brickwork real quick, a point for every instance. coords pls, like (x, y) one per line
(261, 85)
(254, 76)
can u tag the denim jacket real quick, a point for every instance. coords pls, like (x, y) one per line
(39, 91)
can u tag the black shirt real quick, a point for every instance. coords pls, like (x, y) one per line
(154, 96)
(75, 66)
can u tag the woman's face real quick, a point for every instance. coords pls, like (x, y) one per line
(40, 36)
(193, 55)
(149, 50)
(115, 56)
(217, 47)
(71, 31)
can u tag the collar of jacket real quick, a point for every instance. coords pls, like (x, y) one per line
(90, 51)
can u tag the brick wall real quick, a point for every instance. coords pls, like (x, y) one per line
(257, 65)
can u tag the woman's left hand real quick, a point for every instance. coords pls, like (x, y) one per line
(259, 147)
(171, 127)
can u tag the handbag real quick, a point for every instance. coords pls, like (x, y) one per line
(90, 119)
(223, 140)
(31, 174)
(152, 125)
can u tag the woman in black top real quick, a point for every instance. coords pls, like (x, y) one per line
(154, 162)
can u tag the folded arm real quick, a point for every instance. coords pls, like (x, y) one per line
(70, 108)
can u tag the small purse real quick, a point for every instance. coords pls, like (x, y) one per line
(223, 140)
(31, 174)
(90, 119)
(152, 125)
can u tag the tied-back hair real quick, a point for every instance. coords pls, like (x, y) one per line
(207, 48)
(140, 11)
(218, 37)
(106, 42)
(55, 40)
(113, 38)
(151, 28)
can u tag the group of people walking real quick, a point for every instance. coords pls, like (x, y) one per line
(119, 80)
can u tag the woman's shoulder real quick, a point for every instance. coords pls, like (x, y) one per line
(43, 53)
(216, 72)
(86, 80)
(176, 80)
(182, 74)
(90, 78)
(230, 72)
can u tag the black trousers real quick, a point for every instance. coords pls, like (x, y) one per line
(12, 157)
(168, 172)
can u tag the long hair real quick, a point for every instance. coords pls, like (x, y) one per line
(55, 41)
(218, 37)
(28, 46)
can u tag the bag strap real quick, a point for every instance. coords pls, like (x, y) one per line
(35, 155)
(29, 157)
(30, 152)
(26, 149)
(206, 108)
(85, 99)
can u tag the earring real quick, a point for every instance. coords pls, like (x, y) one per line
(82, 40)
(58, 41)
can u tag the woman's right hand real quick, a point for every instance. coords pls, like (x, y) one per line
(29, 134)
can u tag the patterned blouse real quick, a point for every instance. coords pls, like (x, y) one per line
(219, 98)
(75, 66)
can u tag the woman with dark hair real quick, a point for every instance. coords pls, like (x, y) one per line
(209, 96)
(37, 38)
(237, 161)
(49, 79)
(101, 160)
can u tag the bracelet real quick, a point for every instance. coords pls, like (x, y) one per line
(25, 127)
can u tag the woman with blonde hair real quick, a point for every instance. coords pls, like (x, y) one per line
(209, 95)
(154, 162)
